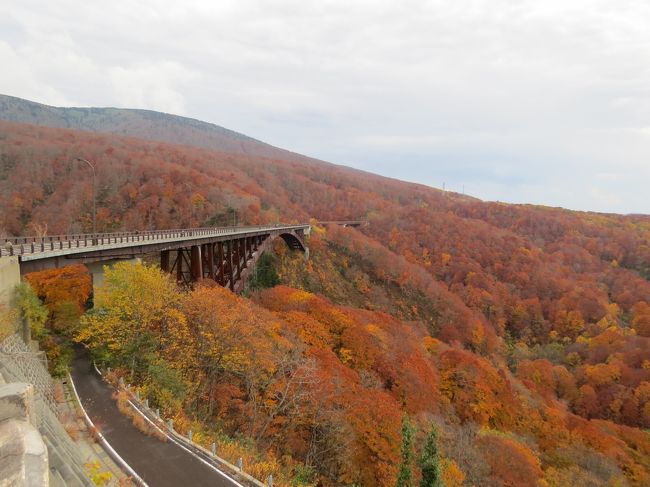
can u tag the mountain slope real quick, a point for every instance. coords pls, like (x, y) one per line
(144, 124)
(528, 327)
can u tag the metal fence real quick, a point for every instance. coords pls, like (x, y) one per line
(18, 363)
(30, 245)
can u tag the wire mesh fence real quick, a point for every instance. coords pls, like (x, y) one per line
(19, 363)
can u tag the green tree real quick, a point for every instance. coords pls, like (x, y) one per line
(405, 473)
(430, 461)
(135, 309)
(31, 309)
(265, 275)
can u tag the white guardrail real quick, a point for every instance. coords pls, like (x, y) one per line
(209, 458)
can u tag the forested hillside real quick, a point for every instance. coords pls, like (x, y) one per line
(522, 332)
(145, 124)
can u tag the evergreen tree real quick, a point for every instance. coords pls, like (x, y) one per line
(430, 462)
(405, 474)
(265, 275)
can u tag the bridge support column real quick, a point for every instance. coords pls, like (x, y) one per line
(96, 270)
(221, 267)
(164, 260)
(209, 257)
(249, 248)
(237, 258)
(196, 264)
(244, 252)
(231, 267)
(179, 265)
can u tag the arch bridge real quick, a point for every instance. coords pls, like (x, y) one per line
(226, 255)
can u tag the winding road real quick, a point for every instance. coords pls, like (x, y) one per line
(158, 463)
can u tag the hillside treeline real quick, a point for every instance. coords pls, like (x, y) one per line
(523, 332)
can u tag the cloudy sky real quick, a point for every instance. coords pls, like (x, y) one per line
(513, 100)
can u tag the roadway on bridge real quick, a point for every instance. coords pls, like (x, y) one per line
(160, 464)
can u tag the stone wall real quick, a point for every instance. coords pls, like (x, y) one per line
(23, 454)
(35, 449)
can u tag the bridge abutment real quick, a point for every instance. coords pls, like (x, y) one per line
(9, 278)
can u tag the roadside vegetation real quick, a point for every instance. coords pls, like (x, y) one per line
(522, 333)
(52, 302)
(314, 392)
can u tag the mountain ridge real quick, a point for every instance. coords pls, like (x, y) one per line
(142, 123)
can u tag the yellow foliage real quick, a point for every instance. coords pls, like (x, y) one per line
(478, 335)
(96, 475)
(602, 374)
(375, 331)
(345, 355)
(133, 298)
(452, 475)
(432, 345)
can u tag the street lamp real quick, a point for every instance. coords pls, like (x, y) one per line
(92, 166)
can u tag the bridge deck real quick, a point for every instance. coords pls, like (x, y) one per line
(35, 248)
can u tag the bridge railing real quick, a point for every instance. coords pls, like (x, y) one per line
(345, 222)
(29, 245)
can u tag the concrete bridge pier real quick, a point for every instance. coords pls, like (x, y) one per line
(96, 270)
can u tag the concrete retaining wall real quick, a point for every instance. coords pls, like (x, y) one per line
(9, 277)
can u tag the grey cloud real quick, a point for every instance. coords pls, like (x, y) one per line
(519, 100)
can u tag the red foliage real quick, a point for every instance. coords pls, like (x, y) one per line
(512, 464)
(453, 289)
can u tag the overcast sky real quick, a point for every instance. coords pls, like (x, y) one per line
(537, 101)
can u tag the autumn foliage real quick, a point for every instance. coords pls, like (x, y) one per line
(523, 332)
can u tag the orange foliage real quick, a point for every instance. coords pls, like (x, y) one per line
(641, 318)
(70, 284)
(430, 299)
(476, 389)
(512, 463)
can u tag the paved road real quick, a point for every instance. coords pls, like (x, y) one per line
(160, 464)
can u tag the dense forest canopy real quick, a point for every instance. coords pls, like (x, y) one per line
(522, 331)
